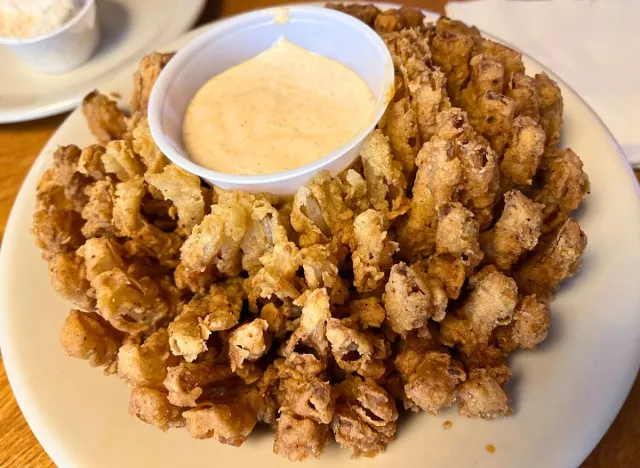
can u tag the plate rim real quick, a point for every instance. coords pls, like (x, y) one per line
(30, 113)
(43, 433)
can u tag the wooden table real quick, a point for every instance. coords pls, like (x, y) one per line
(20, 145)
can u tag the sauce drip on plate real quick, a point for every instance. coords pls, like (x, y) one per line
(282, 109)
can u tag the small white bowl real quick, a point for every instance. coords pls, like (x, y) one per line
(327, 32)
(67, 47)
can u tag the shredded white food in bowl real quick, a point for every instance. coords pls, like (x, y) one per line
(24, 19)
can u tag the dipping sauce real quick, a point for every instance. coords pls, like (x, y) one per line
(28, 18)
(280, 110)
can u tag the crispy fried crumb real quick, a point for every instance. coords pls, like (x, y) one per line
(151, 406)
(145, 77)
(105, 120)
(85, 335)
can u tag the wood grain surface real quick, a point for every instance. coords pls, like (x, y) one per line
(20, 145)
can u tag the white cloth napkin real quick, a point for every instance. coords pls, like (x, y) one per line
(593, 45)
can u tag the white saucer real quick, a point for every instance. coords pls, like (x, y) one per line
(130, 28)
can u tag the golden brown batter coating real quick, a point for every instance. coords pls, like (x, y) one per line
(151, 406)
(105, 120)
(320, 266)
(145, 77)
(449, 269)
(144, 364)
(119, 159)
(457, 235)
(522, 154)
(319, 212)
(146, 148)
(557, 257)
(299, 438)
(419, 95)
(565, 186)
(71, 197)
(265, 229)
(365, 417)
(277, 278)
(373, 252)
(98, 212)
(248, 342)
(409, 49)
(307, 397)
(410, 300)
(402, 129)
(493, 116)
(355, 351)
(483, 395)
(57, 231)
(365, 13)
(492, 300)
(264, 396)
(68, 277)
(218, 310)
(438, 179)
(510, 59)
(307, 347)
(453, 165)
(430, 98)
(452, 50)
(480, 178)
(529, 327)
(90, 162)
(487, 74)
(355, 190)
(398, 19)
(215, 242)
(367, 312)
(516, 232)
(551, 106)
(183, 189)
(188, 382)
(132, 306)
(221, 309)
(62, 186)
(229, 422)
(99, 255)
(448, 24)
(490, 303)
(431, 379)
(386, 183)
(86, 335)
(524, 91)
(65, 163)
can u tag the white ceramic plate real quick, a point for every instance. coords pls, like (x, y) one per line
(565, 395)
(130, 28)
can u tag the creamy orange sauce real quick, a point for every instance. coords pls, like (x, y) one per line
(280, 110)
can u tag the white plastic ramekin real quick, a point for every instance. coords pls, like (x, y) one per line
(63, 49)
(327, 32)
